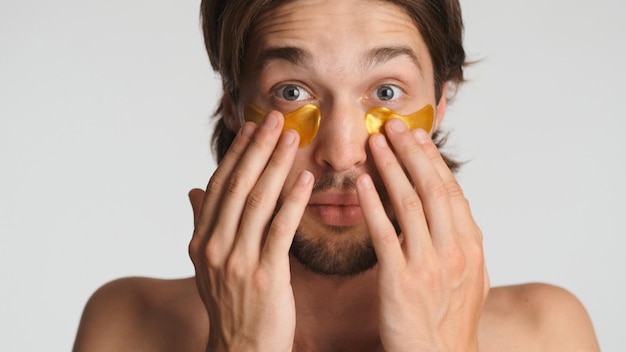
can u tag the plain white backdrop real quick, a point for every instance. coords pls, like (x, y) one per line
(104, 127)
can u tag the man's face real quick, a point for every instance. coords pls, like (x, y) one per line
(344, 57)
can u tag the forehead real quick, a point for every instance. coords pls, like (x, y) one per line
(330, 30)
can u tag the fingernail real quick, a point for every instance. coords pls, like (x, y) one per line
(366, 182)
(247, 130)
(397, 125)
(421, 135)
(380, 141)
(288, 137)
(305, 177)
(271, 121)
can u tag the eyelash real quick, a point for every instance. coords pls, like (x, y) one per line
(397, 92)
(303, 95)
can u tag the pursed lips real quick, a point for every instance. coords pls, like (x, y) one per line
(336, 209)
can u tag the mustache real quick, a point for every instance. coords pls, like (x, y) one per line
(329, 180)
(347, 182)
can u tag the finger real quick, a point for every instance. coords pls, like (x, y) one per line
(236, 185)
(285, 223)
(263, 198)
(428, 182)
(486, 282)
(217, 185)
(407, 204)
(459, 205)
(209, 211)
(383, 234)
(196, 196)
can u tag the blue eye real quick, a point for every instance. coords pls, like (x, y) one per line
(292, 92)
(387, 92)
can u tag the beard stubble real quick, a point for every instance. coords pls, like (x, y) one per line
(336, 256)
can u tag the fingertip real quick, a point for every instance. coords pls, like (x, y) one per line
(195, 193)
(304, 178)
(248, 128)
(421, 135)
(196, 197)
(365, 182)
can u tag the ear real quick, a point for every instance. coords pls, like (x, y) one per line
(230, 113)
(440, 111)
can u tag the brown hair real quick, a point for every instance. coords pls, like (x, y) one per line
(226, 23)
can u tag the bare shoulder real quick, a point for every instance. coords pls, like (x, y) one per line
(536, 317)
(133, 314)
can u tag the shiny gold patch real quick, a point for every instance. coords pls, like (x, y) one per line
(375, 119)
(305, 120)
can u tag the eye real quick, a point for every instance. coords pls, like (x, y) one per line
(387, 92)
(292, 92)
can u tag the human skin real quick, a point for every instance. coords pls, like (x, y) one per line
(430, 290)
(432, 284)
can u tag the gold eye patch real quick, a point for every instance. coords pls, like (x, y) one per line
(375, 119)
(306, 120)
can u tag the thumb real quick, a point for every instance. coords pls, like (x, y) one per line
(196, 196)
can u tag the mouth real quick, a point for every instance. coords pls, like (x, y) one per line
(336, 209)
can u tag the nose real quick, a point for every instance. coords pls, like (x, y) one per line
(342, 138)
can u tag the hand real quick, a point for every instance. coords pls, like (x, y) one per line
(240, 250)
(432, 281)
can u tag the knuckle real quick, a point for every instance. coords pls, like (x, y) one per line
(193, 249)
(478, 234)
(412, 203)
(388, 237)
(455, 258)
(280, 227)
(454, 189)
(212, 254)
(238, 183)
(429, 276)
(256, 199)
(261, 281)
(204, 252)
(216, 183)
(480, 237)
(235, 268)
(476, 253)
(437, 189)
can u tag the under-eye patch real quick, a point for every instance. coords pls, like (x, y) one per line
(306, 120)
(375, 119)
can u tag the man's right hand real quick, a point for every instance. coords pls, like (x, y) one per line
(240, 249)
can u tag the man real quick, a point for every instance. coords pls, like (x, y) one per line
(352, 242)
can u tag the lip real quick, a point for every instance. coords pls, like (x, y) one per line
(336, 209)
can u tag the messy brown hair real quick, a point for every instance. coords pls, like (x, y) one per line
(226, 23)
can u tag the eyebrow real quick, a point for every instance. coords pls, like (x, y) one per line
(300, 56)
(291, 54)
(381, 55)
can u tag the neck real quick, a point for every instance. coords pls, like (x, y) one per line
(335, 312)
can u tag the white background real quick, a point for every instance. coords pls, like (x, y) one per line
(104, 128)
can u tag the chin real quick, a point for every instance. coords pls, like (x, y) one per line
(335, 254)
